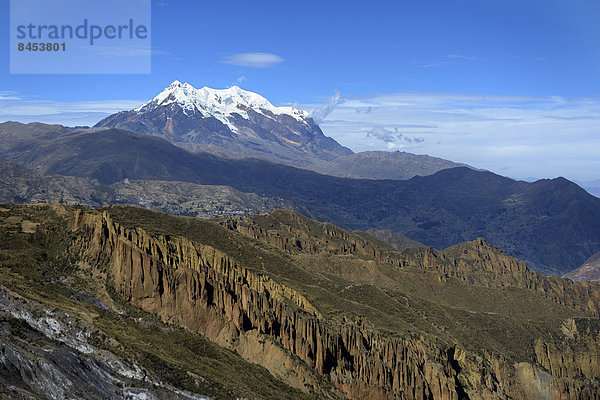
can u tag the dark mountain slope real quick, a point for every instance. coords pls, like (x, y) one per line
(19, 184)
(553, 224)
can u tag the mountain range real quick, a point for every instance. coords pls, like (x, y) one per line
(230, 122)
(552, 224)
(235, 123)
(295, 269)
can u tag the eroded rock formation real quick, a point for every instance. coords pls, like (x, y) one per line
(240, 301)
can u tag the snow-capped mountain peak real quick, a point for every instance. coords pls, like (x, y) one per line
(230, 122)
(221, 104)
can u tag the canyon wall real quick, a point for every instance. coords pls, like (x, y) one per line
(203, 289)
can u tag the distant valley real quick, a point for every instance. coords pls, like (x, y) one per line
(19, 185)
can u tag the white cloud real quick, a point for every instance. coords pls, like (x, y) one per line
(461, 57)
(321, 112)
(239, 80)
(254, 60)
(8, 95)
(449, 59)
(385, 135)
(534, 136)
(392, 136)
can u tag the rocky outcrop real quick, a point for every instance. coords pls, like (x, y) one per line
(480, 263)
(292, 232)
(49, 354)
(237, 305)
(202, 289)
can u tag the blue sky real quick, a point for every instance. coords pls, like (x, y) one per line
(452, 73)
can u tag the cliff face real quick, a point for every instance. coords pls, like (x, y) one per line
(273, 321)
(203, 289)
(65, 334)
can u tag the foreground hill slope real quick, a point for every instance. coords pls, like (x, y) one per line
(327, 311)
(552, 224)
(66, 333)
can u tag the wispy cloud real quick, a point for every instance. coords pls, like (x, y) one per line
(320, 113)
(529, 58)
(253, 60)
(385, 135)
(8, 95)
(238, 81)
(436, 64)
(461, 57)
(449, 59)
(392, 135)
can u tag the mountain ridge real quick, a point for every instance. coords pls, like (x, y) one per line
(550, 223)
(398, 165)
(235, 123)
